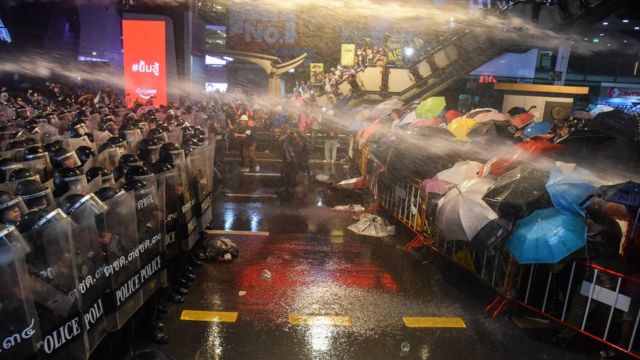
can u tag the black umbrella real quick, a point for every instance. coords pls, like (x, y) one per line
(616, 123)
(493, 128)
(519, 192)
(599, 151)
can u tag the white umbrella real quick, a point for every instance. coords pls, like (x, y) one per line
(372, 225)
(409, 118)
(462, 212)
(461, 171)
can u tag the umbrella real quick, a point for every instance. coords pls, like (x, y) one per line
(408, 118)
(600, 109)
(499, 165)
(461, 171)
(492, 127)
(584, 115)
(568, 186)
(461, 211)
(522, 119)
(616, 123)
(519, 192)
(372, 225)
(487, 114)
(427, 122)
(451, 115)
(537, 128)
(546, 237)
(431, 107)
(435, 185)
(516, 110)
(627, 193)
(460, 127)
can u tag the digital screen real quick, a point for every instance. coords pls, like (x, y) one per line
(4, 33)
(213, 87)
(145, 60)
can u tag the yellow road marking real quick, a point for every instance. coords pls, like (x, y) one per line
(434, 322)
(295, 319)
(524, 323)
(211, 316)
(236, 232)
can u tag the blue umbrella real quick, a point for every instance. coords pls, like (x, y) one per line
(627, 193)
(568, 186)
(537, 128)
(546, 237)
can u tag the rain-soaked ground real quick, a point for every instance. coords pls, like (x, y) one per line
(332, 294)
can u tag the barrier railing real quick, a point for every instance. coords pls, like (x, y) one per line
(582, 297)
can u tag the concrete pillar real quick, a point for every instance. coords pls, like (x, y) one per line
(562, 63)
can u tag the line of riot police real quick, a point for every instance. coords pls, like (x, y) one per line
(102, 210)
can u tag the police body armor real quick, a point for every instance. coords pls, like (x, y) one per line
(19, 329)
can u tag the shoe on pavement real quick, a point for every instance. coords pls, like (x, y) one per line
(244, 169)
(256, 169)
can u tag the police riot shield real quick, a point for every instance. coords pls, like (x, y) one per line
(19, 328)
(90, 242)
(74, 143)
(78, 185)
(187, 221)
(41, 200)
(133, 138)
(175, 136)
(169, 195)
(6, 170)
(150, 216)
(39, 165)
(201, 160)
(100, 137)
(119, 236)
(108, 158)
(52, 266)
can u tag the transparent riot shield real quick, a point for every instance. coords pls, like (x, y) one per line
(133, 138)
(39, 165)
(91, 259)
(109, 158)
(19, 328)
(100, 137)
(119, 234)
(74, 143)
(175, 136)
(169, 195)
(48, 132)
(41, 200)
(79, 185)
(201, 162)
(150, 219)
(52, 266)
(187, 221)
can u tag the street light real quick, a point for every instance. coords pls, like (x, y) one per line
(409, 51)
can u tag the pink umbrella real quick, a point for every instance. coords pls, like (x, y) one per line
(435, 185)
(426, 122)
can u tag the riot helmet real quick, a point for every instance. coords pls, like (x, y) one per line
(149, 149)
(106, 193)
(11, 209)
(85, 154)
(168, 152)
(160, 167)
(35, 195)
(21, 174)
(64, 158)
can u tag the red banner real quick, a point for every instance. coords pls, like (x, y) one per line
(145, 60)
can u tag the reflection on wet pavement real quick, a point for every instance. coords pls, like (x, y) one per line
(331, 294)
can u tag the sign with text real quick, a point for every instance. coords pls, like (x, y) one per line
(348, 55)
(145, 60)
(316, 73)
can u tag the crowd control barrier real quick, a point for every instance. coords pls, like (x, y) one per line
(581, 297)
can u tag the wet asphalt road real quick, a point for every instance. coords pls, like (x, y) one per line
(362, 286)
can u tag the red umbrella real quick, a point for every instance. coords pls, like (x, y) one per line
(501, 164)
(521, 120)
(450, 115)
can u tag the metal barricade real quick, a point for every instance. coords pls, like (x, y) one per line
(581, 297)
(584, 298)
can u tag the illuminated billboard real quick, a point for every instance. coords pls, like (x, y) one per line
(145, 61)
